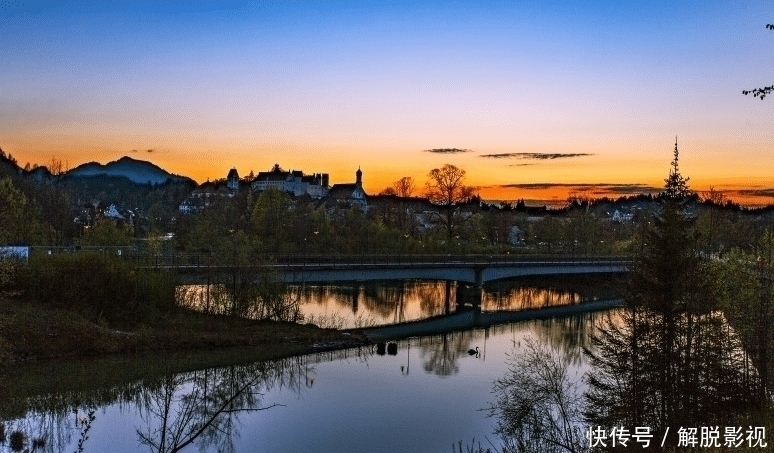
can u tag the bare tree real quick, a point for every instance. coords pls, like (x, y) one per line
(404, 187)
(446, 189)
(539, 403)
(57, 167)
(763, 91)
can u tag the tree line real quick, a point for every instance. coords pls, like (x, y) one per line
(690, 348)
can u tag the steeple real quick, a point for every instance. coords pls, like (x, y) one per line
(359, 177)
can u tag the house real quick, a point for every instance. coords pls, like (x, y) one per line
(90, 214)
(516, 236)
(618, 216)
(112, 213)
(208, 192)
(348, 195)
(294, 182)
(11, 252)
(205, 195)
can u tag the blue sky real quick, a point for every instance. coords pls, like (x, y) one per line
(328, 86)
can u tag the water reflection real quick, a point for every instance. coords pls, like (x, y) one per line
(364, 304)
(571, 335)
(334, 399)
(203, 407)
(539, 401)
(170, 412)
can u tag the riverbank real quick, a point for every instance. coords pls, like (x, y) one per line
(34, 332)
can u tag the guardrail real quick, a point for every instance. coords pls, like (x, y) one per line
(200, 260)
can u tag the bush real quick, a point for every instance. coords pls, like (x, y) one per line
(9, 273)
(17, 440)
(104, 287)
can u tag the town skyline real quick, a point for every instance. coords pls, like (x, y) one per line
(533, 101)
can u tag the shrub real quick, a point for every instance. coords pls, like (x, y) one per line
(16, 440)
(10, 270)
(104, 287)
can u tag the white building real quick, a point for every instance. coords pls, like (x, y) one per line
(294, 182)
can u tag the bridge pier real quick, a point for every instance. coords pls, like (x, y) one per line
(469, 295)
(478, 272)
(447, 297)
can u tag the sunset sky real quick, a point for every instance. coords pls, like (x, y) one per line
(541, 98)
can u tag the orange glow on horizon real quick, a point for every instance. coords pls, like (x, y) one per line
(594, 176)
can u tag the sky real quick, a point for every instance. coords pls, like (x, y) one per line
(533, 99)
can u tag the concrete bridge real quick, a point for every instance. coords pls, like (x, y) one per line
(473, 269)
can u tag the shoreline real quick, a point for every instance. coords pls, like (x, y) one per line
(32, 332)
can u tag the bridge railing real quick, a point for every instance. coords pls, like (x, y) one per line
(184, 260)
(201, 260)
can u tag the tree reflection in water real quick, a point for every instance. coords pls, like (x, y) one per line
(440, 357)
(570, 335)
(203, 407)
(199, 408)
(542, 405)
(539, 405)
(440, 354)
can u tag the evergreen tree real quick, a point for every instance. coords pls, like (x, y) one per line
(669, 361)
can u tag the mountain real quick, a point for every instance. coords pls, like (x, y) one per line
(137, 171)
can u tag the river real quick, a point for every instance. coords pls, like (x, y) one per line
(415, 395)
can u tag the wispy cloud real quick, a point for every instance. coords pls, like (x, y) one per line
(593, 188)
(755, 192)
(447, 150)
(537, 156)
(520, 165)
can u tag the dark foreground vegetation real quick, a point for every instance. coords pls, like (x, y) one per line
(689, 350)
(92, 304)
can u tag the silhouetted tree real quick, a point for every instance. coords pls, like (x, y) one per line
(404, 187)
(446, 188)
(18, 216)
(671, 359)
(270, 218)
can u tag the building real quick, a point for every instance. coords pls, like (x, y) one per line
(294, 182)
(232, 180)
(348, 194)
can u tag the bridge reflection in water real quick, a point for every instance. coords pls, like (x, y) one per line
(348, 305)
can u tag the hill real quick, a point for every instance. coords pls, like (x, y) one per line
(137, 171)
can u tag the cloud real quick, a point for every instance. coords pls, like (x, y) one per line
(538, 156)
(447, 150)
(756, 192)
(520, 165)
(594, 188)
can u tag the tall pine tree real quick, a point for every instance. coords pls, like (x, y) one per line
(669, 360)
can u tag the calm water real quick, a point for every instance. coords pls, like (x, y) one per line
(362, 304)
(423, 397)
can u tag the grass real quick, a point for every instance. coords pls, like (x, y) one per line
(34, 331)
